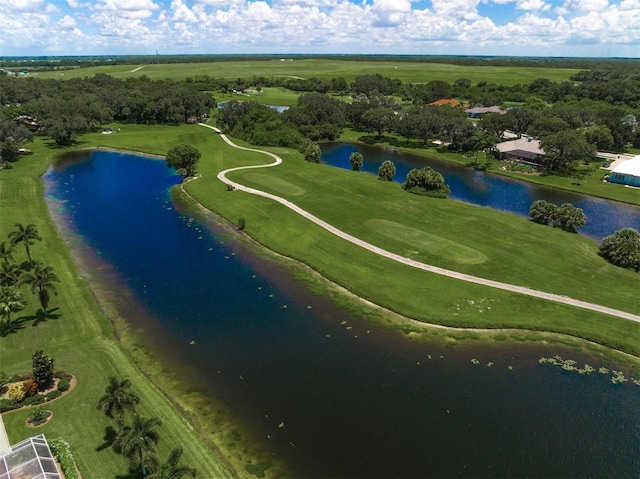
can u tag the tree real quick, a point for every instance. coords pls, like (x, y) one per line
(6, 253)
(542, 212)
(26, 235)
(183, 156)
(10, 274)
(622, 248)
(312, 152)
(42, 369)
(565, 148)
(387, 170)
(12, 137)
(42, 283)
(357, 160)
(172, 468)
(568, 217)
(426, 181)
(136, 441)
(11, 301)
(118, 399)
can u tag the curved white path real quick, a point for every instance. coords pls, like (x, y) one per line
(222, 176)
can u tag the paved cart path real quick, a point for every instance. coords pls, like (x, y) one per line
(222, 176)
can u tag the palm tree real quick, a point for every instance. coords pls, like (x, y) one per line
(10, 274)
(171, 469)
(41, 282)
(6, 253)
(118, 399)
(11, 301)
(137, 440)
(26, 235)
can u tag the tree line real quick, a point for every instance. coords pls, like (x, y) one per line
(65, 109)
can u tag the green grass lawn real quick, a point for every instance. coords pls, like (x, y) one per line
(81, 340)
(462, 237)
(325, 69)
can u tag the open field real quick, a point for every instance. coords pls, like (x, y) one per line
(449, 234)
(323, 69)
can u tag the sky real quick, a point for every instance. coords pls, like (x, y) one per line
(572, 28)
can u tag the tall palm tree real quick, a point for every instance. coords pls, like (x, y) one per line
(10, 274)
(118, 399)
(26, 235)
(6, 253)
(11, 301)
(42, 282)
(172, 468)
(137, 440)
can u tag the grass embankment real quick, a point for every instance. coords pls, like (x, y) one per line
(325, 69)
(81, 340)
(453, 235)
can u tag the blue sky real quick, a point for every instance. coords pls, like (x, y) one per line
(606, 28)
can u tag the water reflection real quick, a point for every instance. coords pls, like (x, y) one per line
(604, 217)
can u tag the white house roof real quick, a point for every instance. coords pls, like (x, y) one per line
(526, 143)
(629, 167)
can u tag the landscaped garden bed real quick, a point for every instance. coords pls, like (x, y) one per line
(21, 390)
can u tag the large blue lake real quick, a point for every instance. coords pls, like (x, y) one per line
(604, 217)
(328, 394)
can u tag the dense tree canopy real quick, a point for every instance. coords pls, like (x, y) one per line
(184, 157)
(622, 248)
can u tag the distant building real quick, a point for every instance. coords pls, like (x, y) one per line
(525, 148)
(627, 173)
(478, 111)
(446, 102)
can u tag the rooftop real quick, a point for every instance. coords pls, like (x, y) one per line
(526, 143)
(29, 459)
(629, 167)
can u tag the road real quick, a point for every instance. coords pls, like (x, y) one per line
(222, 176)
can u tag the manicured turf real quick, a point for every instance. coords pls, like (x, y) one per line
(81, 340)
(410, 72)
(449, 234)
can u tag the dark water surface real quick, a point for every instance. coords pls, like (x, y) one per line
(604, 217)
(329, 394)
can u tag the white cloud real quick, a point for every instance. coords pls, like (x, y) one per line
(532, 5)
(25, 5)
(66, 22)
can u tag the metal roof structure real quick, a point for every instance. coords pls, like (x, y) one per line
(629, 167)
(29, 459)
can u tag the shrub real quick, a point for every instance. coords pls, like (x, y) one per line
(33, 400)
(15, 392)
(62, 451)
(62, 375)
(7, 405)
(30, 387)
(38, 416)
(53, 395)
(242, 223)
(63, 385)
(387, 170)
(42, 369)
(622, 248)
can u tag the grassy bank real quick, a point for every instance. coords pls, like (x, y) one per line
(325, 69)
(81, 340)
(449, 234)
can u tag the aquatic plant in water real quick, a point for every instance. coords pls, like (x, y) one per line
(570, 365)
